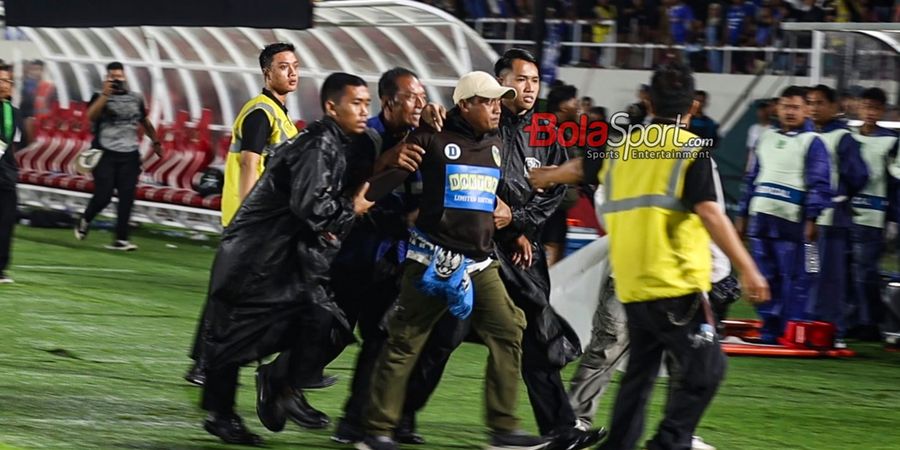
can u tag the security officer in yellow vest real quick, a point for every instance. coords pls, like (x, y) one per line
(848, 175)
(262, 122)
(872, 206)
(785, 193)
(660, 214)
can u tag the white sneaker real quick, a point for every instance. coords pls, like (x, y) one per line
(5, 279)
(698, 444)
(124, 246)
(582, 425)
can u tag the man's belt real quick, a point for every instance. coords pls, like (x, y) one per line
(422, 250)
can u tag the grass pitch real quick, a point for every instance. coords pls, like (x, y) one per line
(93, 345)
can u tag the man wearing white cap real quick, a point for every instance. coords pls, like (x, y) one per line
(449, 266)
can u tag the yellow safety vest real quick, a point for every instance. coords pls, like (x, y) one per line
(658, 248)
(282, 129)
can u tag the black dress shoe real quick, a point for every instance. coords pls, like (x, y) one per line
(302, 413)
(348, 433)
(574, 439)
(322, 382)
(196, 374)
(268, 406)
(230, 429)
(405, 433)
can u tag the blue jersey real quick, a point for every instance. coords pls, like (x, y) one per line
(680, 18)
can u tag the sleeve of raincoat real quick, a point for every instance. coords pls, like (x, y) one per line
(853, 172)
(316, 197)
(818, 180)
(530, 217)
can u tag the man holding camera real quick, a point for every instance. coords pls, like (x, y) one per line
(116, 114)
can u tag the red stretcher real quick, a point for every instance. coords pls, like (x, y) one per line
(742, 339)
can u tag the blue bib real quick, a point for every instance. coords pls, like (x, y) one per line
(471, 187)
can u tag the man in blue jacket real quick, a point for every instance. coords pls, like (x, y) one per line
(786, 191)
(848, 176)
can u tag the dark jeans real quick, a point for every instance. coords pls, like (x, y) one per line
(7, 223)
(828, 296)
(365, 302)
(865, 306)
(699, 368)
(117, 172)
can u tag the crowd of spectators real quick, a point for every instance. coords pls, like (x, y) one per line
(692, 23)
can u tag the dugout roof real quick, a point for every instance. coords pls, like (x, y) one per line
(217, 68)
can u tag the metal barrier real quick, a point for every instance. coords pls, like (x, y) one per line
(778, 59)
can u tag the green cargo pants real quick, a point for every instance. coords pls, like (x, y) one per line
(495, 318)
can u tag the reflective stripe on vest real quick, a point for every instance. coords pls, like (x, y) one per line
(870, 204)
(832, 139)
(781, 179)
(282, 130)
(658, 249)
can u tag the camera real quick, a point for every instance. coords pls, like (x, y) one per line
(118, 86)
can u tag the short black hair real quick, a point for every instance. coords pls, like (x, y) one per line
(6, 67)
(387, 84)
(115, 65)
(672, 90)
(37, 62)
(598, 111)
(827, 92)
(506, 61)
(268, 53)
(701, 93)
(333, 87)
(875, 94)
(794, 91)
(559, 95)
(763, 103)
(587, 99)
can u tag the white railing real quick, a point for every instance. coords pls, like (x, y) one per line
(611, 47)
(509, 33)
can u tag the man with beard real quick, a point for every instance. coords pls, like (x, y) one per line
(548, 343)
(270, 275)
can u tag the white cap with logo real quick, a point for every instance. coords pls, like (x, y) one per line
(480, 84)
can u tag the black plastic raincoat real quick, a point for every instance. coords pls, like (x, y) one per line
(530, 288)
(274, 258)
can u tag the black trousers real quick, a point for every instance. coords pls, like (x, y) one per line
(116, 171)
(302, 360)
(7, 223)
(698, 368)
(365, 302)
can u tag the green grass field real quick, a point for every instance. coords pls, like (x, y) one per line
(93, 346)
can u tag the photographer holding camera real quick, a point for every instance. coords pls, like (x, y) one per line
(116, 114)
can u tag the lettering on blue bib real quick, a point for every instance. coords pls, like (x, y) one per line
(471, 187)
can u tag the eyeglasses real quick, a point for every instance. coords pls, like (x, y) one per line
(407, 96)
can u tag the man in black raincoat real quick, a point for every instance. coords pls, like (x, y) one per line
(549, 343)
(270, 275)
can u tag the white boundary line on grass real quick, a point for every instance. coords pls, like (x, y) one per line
(73, 268)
